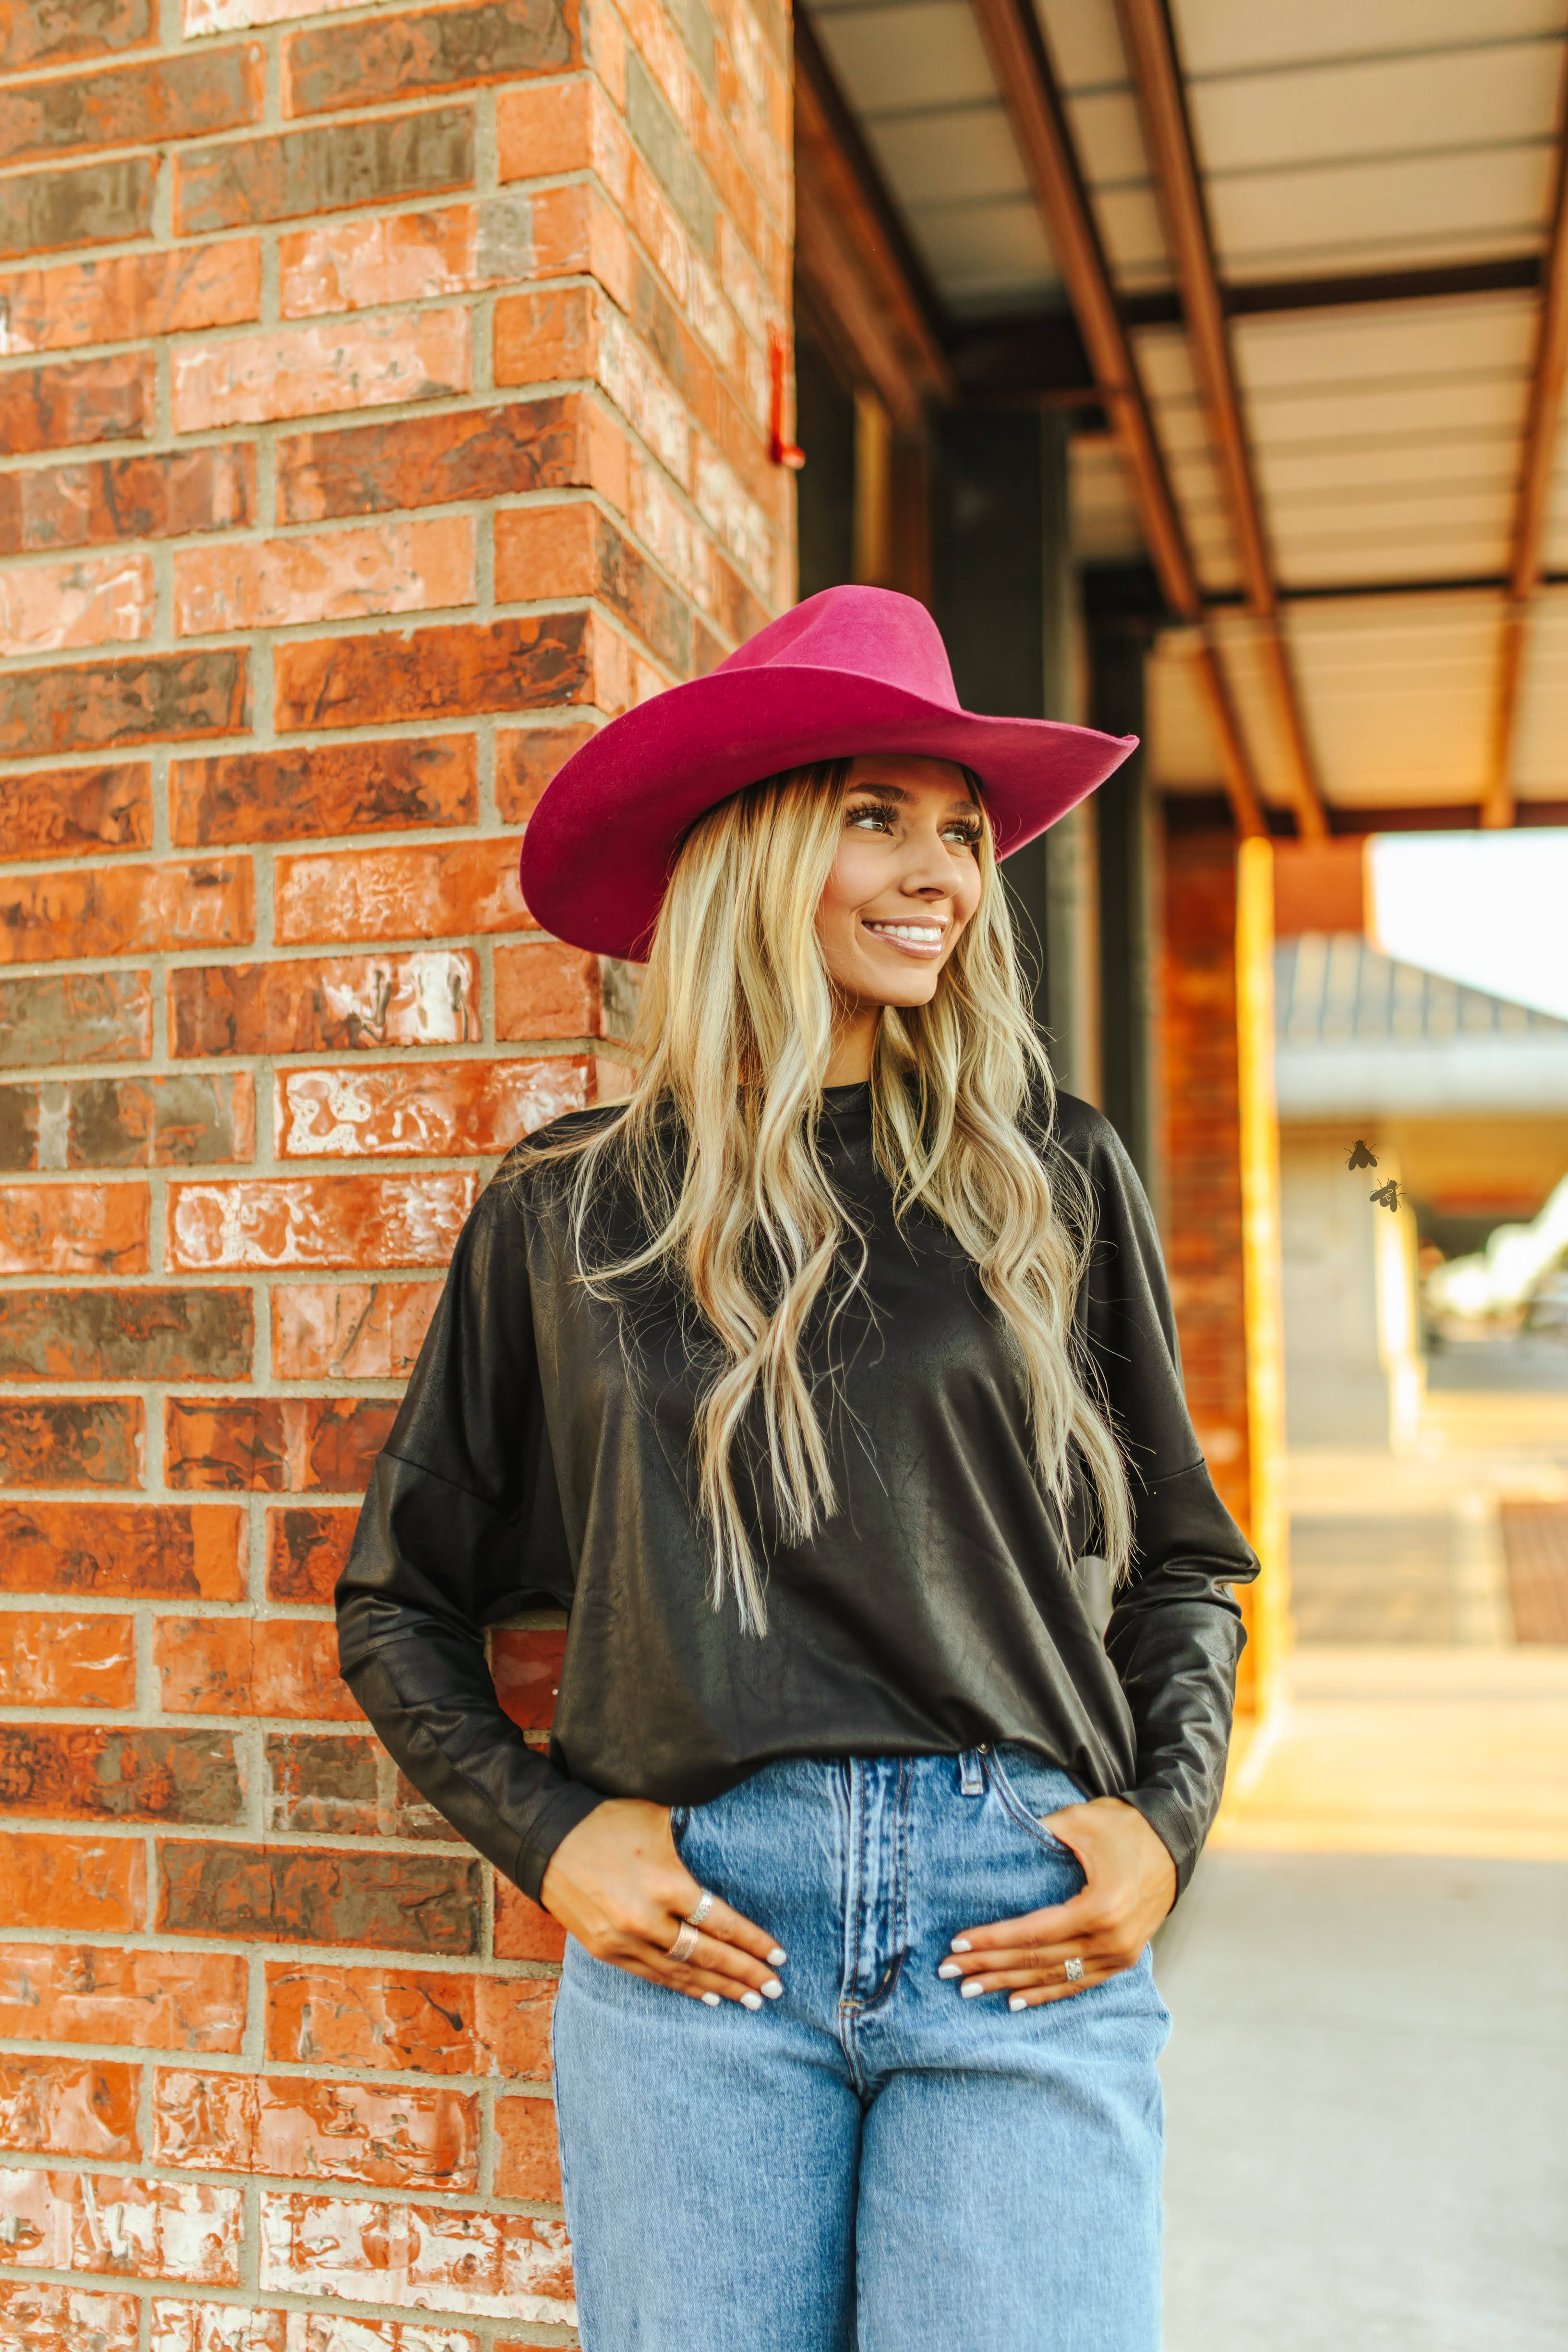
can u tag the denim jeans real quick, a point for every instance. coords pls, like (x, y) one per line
(871, 2163)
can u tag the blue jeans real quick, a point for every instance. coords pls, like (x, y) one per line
(869, 2164)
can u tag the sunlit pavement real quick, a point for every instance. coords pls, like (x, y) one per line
(1367, 2081)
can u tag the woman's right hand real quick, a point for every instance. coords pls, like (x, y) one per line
(616, 1882)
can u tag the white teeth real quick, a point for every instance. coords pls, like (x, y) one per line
(924, 934)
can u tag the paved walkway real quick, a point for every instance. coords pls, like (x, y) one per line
(1367, 2082)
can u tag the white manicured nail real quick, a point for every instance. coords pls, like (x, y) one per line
(712, 1999)
(969, 1988)
(1017, 2000)
(751, 2000)
(949, 1968)
(772, 1988)
(959, 1944)
(776, 1959)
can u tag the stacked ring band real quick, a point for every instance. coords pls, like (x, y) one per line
(700, 1908)
(686, 1943)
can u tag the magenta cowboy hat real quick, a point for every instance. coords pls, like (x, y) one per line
(851, 671)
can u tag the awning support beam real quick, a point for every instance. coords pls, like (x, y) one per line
(1011, 35)
(1150, 42)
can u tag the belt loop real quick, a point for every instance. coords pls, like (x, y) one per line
(971, 1778)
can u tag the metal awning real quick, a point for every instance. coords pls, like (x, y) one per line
(1334, 276)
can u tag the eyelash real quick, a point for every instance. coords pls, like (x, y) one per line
(890, 811)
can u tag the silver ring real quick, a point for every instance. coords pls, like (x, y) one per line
(686, 1943)
(1072, 1969)
(700, 1908)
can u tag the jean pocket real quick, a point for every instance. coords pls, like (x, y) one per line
(1028, 1787)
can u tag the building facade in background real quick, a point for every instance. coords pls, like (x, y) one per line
(385, 401)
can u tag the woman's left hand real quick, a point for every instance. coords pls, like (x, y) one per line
(1131, 1886)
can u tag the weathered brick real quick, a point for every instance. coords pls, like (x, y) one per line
(74, 1885)
(68, 2106)
(527, 758)
(61, 1661)
(409, 2137)
(322, 2331)
(327, 575)
(323, 171)
(48, 608)
(61, 812)
(414, 893)
(324, 789)
(71, 1442)
(90, 706)
(326, 2015)
(318, 1782)
(441, 673)
(77, 911)
(38, 2318)
(74, 1228)
(277, 1666)
(77, 1773)
(189, 2326)
(544, 130)
(422, 461)
(546, 990)
(130, 297)
(352, 1222)
(20, 1108)
(348, 1331)
(307, 1550)
(527, 1666)
(189, 1120)
(125, 1335)
(367, 63)
(190, 2002)
(44, 211)
(53, 32)
(576, 550)
(125, 2227)
(393, 1901)
(446, 1108)
(185, 97)
(505, 2265)
(527, 2159)
(71, 401)
(354, 265)
(278, 1446)
(163, 494)
(523, 1931)
(310, 371)
(172, 1551)
(334, 1005)
(79, 1017)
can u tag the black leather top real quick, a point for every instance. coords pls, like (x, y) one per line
(938, 1609)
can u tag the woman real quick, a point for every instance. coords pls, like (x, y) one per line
(806, 1378)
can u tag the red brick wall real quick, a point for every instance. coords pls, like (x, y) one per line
(383, 394)
(1201, 1156)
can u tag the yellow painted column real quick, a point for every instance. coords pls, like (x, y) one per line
(1269, 1529)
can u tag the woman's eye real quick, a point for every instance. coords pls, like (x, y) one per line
(871, 816)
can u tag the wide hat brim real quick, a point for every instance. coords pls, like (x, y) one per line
(597, 850)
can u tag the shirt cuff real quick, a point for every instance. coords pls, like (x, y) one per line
(1168, 1818)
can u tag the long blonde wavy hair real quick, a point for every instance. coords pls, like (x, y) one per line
(733, 1040)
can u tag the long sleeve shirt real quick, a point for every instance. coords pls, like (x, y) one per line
(541, 1458)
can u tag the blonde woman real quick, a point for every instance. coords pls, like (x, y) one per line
(805, 1378)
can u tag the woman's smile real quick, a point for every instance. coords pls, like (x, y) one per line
(923, 938)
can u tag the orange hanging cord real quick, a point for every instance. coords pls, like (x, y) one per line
(782, 452)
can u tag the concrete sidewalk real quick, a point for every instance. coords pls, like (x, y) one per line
(1367, 2081)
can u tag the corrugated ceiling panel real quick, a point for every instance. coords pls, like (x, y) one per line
(1541, 760)
(1245, 36)
(1391, 106)
(1182, 754)
(1376, 215)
